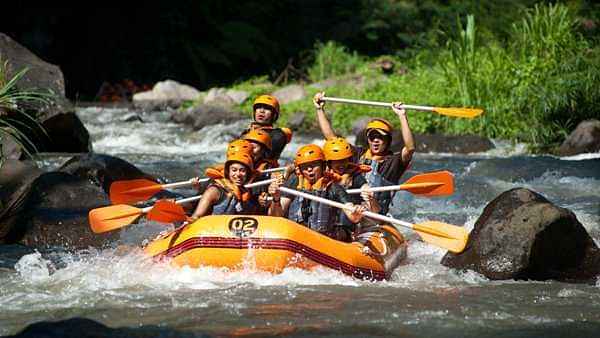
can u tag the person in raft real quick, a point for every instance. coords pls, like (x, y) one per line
(227, 195)
(387, 167)
(265, 112)
(310, 178)
(339, 155)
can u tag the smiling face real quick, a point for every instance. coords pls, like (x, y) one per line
(312, 171)
(339, 166)
(263, 114)
(378, 143)
(238, 173)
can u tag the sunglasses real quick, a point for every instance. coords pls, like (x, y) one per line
(375, 135)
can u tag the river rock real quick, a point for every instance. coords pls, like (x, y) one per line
(54, 211)
(521, 235)
(225, 97)
(296, 120)
(41, 75)
(290, 93)
(9, 148)
(87, 328)
(102, 170)
(15, 180)
(584, 139)
(204, 115)
(434, 143)
(164, 94)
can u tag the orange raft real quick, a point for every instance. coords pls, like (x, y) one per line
(274, 243)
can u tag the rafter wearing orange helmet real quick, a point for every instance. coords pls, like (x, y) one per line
(310, 178)
(227, 195)
(265, 112)
(387, 167)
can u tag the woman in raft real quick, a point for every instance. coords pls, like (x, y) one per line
(310, 178)
(387, 167)
(227, 195)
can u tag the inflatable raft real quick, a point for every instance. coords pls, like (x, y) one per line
(274, 243)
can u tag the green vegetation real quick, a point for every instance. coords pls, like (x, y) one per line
(13, 104)
(536, 79)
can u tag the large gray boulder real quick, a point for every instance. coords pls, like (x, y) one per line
(432, 143)
(168, 93)
(201, 116)
(62, 129)
(290, 93)
(102, 170)
(53, 212)
(225, 97)
(584, 139)
(41, 75)
(522, 235)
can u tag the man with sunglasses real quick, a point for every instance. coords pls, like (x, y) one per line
(265, 112)
(386, 166)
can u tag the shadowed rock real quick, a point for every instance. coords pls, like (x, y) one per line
(53, 212)
(521, 235)
(102, 170)
(201, 116)
(87, 328)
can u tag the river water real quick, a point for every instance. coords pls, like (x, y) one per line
(122, 288)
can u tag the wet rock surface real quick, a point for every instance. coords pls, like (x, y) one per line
(584, 139)
(53, 212)
(522, 235)
(201, 116)
(102, 170)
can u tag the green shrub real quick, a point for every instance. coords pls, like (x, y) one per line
(332, 59)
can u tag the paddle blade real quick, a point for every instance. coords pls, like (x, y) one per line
(450, 237)
(439, 183)
(459, 112)
(133, 191)
(165, 211)
(112, 217)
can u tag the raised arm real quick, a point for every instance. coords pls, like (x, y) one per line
(324, 123)
(407, 136)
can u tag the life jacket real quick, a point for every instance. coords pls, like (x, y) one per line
(346, 180)
(234, 200)
(376, 179)
(316, 216)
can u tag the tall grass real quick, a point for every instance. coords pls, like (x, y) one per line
(13, 103)
(332, 59)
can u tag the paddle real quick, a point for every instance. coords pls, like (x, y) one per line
(117, 216)
(455, 112)
(446, 236)
(439, 183)
(133, 191)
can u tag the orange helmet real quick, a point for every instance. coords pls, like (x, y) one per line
(380, 125)
(337, 149)
(268, 100)
(309, 153)
(241, 157)
(259, 136)
(239, 145)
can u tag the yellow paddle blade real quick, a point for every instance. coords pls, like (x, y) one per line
(439, 183)
(133, 191)
(450, 237)
(112, 217)
(459, 112)
(166, 212)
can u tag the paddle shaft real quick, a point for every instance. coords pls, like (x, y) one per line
(343, 206)
(189, 182)
(194, 198)
(375, 103)
(395, 187)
